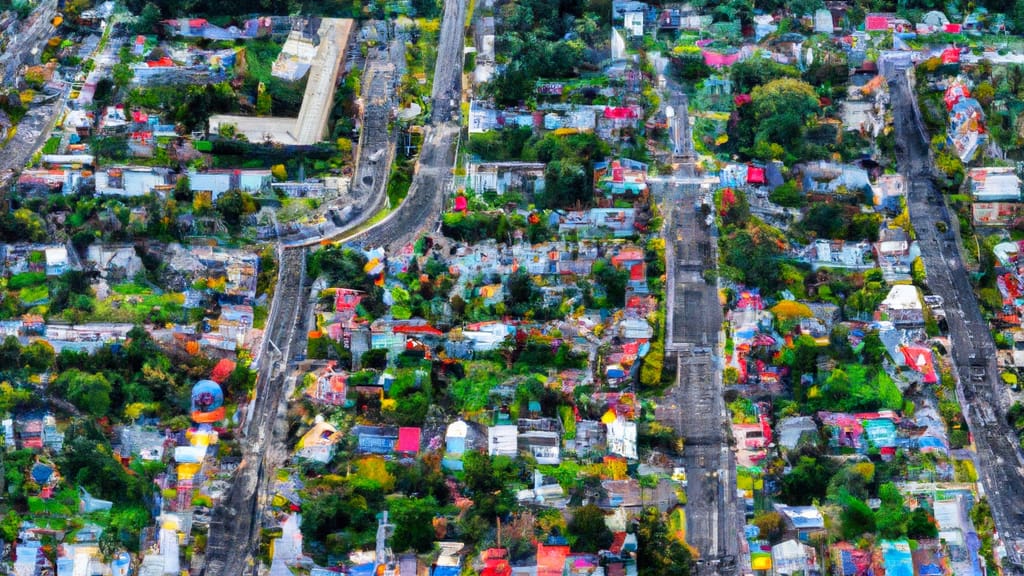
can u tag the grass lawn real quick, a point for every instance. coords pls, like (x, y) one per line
(34, 294)
(26, 280)
(259, 56)
(134, 303)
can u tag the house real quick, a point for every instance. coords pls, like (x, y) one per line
(140, 144)
(801, 522)
(503, 440)
(903, 306)
(460, 437)
(622, 179)
(839, 254)
(318, 444)
(408, 441)
(56, 260)
(849, 560)
(622, 7)
(540, 437)
(622, 494)
(897, 557)
(670, 19)
(484, 118)
(591, 439)
(966, 129)
(792, 557)
(633, 22)
(885, 22)
(219, 181)
(825, 177)
(503, 177)
(823, 22)
(375, 439)
(996, 213)
(132, 181)
(43, 181)
(994, 184)
(895, 252)
(328, 386)
(920, 359)
(621, 435)
(487, 336)
(796, 430)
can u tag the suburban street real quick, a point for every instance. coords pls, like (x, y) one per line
(694, 407)
(980, 390)
(236, 521)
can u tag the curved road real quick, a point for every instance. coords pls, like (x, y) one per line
(235, 526)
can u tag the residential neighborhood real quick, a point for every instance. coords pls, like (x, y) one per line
(511, 287)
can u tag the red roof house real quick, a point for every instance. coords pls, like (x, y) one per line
(408, 440)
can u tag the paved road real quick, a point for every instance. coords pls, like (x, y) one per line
(981, 393)
(694, 407)
(421, 210)
(235, 526)
(236, 520)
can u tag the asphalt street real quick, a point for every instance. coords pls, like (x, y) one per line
(694, 406)
(981, 393)
(236, 520)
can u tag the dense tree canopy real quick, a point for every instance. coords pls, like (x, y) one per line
(658, 553)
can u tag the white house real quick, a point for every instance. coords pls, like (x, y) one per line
(622, 437)
(634, 23)
(56, 260)
(503, 440)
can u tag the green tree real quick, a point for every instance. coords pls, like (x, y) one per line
(486, 481)
(659, 553)
(234, 204)
(788, 195)
(589, 530)
(10, 353)
(38, 356)
(148, 19)
(412, 518)
(921, 524)
(183, 189)
(857, 518)
(753, 72)
(10, 526)
(770, 524)
(566, 185)
(808, 481)
(782, 108)
(89, 392)
(985, 93)
(122, 74)
(613, 280)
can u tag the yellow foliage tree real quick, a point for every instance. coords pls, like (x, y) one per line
(788, 310)
(202, 202)
(373, 468)
(279, 172)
